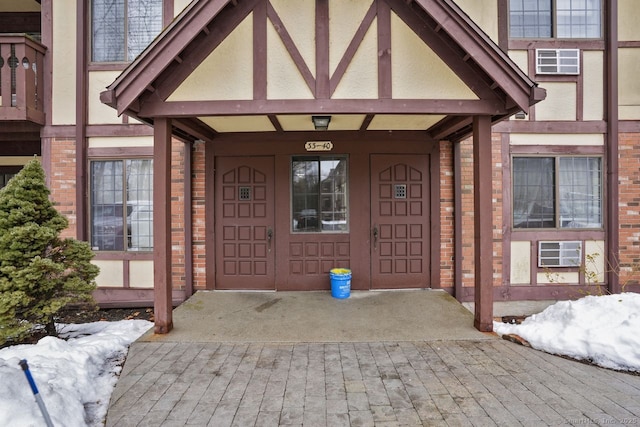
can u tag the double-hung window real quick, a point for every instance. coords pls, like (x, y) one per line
(319, 194)
(557, 192)
(122, 205)
(121, 29)
(562, 19)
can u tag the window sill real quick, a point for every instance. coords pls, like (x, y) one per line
(107, 66)
(584, 44)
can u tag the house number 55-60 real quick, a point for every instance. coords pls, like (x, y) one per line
(318, 146)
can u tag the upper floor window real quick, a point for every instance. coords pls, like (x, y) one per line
(557, 192)
(121, 29)
(122, 205)
(319, 194)
(562, 19)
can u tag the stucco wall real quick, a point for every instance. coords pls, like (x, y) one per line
(120, 142)
(628, 28)
(417, 72)
(484, 13)
(520, 273)
(227, 73)
(100, 113)
(64, 62)
(179, 5)
(629, 84)
(593, 80)
(556, 139)
(560, 103)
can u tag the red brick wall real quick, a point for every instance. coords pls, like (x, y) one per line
(466, 188)
(62, 181)
(198, 213)
(178, 265)
(448, 215)
(447, 243)
(629, 205)
(498, 223)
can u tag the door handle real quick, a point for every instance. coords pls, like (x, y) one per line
(269, 237)
(375, 237)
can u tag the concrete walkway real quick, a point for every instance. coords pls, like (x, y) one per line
(205, 374)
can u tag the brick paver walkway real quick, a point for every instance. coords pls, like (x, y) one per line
(445, 383)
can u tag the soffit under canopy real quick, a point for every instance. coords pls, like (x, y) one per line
(269, 65)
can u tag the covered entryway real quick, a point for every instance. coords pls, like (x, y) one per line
(391, 77)
(400, 221)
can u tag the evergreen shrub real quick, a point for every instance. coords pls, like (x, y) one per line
(40, 273)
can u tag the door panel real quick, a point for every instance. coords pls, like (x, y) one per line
(400, 221)
(244, 223)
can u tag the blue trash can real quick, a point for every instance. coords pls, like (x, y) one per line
(340, 282)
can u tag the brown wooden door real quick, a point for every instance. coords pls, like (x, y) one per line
(400, 223)
(244, 223)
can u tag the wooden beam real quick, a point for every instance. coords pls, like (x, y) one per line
(322, 89)
(275, 122)
(162, 226)
(82, 143)
(448, 126)
(613, 174)
(260, 51)
(483, 223)
(157, 108)
(385, 78)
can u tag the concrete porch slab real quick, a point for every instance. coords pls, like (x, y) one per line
(366, 316)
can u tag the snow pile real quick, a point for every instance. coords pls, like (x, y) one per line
(75, 377)
(602, 329)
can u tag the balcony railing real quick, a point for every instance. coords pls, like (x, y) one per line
(21, 79)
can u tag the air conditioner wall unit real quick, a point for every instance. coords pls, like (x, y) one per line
(558, 61)
(559, 254)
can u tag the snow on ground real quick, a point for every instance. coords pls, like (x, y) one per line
(604, 330)
(75, 375)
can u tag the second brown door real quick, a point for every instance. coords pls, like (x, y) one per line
(400, 234)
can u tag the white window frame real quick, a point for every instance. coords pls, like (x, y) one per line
(121, 205)
(562, 220)
(134, 41)
(551, 24)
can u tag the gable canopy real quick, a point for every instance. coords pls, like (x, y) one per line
(268, 65)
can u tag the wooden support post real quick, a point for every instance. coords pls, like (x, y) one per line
(483, 223)
(162, 226)
(612, 198)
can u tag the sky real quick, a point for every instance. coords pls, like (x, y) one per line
(77, 372)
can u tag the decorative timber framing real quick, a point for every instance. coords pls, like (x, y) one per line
(143, 89)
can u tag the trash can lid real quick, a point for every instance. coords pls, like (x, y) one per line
(340, 271)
